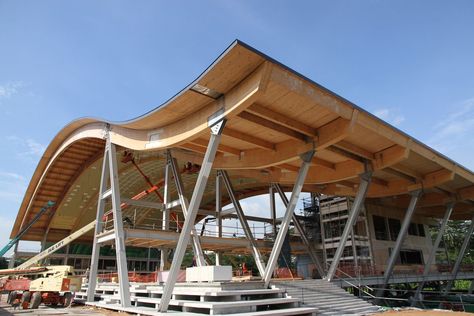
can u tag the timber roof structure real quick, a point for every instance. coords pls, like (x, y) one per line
(273, 115)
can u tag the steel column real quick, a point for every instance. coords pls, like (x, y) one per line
(285, 223)
(432, 256)
(98, 226)
(299, 228)
(471, 288)
(124, 285)
(240, 214)
(365, 179)
(216, 130)
(461, 253)
(271, 193)
(218, 215)
(11, 264)
(196, 244)
(415, 196)
(165, 225)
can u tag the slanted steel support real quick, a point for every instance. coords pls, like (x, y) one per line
(285, 223)
(196, 244)
(165, 225)
(198, 192)
(365, 179)
(432, 256)
(271, 194)
(11, 264)
(415, 196)
(218, 215)
(471, 288)
(109, 173)
(243, 221)
(462, 251)
(299, 228)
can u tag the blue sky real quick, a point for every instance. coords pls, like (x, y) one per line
(409, 62)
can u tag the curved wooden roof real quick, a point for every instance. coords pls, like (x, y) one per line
(274, 115)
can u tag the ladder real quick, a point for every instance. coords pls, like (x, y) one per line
(12, 242)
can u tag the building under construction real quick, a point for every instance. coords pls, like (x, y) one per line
(140, 196)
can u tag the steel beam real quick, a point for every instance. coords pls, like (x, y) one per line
(461, 253)
(218, 215)
(365, 179)
(165, 225)
(271, 194)
(11, 264)
(124, 285)
(432, 256)
(289, 213)
(198, 192)
(196, 244)
(243, 221)
(299, 228)
(415, 196)
(98, 227)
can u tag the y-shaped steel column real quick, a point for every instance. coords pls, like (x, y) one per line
(285, 223)
(432, 256)
(216, 130)
(415, 196)
(109, 172)
(458, 262)
(240, 213)
(299, 228)
(351, 220)
(197, 249)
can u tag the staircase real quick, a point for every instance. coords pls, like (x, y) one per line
(328, 298)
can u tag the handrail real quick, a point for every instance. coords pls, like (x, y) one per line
(353, 285)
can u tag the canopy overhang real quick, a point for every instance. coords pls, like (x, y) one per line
(273, 115)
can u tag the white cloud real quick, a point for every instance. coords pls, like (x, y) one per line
(9, 89)
(390, 115)
(453, 135)
(30, 147)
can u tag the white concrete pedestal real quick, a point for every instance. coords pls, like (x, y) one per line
(209, 274)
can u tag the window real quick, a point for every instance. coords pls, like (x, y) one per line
(409, 256)
(394, 228)
(380, 228)
(421, 230)
(416, 230)
(413, 229)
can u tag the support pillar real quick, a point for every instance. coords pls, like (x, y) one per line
(110, 172)
(185, 235)
(11, 264)
(196, 244)
(273, 210)
(462, 251)
(471, 288)
(351, 220)
(299, 228)
(165, 224)
(289, 213)
(243, 221)
(66, 255)
(415, 196)
(218, 215)
(432, 256)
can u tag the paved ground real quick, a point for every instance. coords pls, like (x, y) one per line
(423, 313)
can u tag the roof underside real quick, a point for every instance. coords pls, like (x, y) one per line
(274, 115)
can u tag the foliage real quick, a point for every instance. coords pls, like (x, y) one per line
(453, 238)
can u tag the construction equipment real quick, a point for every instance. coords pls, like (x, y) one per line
(53, 285)
(12, 242)
(34, 260)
